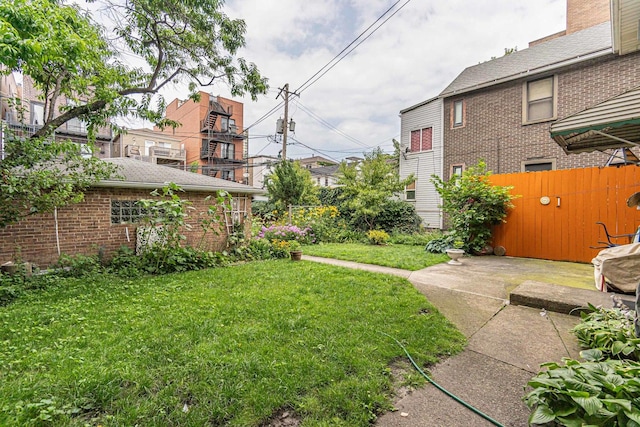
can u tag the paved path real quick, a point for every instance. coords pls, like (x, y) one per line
(506, 344)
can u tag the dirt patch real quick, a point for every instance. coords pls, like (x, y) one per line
(283, 418)
(400, 369)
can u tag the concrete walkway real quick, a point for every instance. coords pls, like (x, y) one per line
(506, 342)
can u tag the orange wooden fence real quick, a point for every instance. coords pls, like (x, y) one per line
(564, 229)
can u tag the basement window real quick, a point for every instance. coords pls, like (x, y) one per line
(126, 211)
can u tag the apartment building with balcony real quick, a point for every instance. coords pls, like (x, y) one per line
(151, 146)
(23, 109)
(211, 134)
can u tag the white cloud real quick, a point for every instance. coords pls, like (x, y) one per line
(411, 58)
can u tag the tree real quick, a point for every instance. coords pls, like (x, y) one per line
(290, 184)
(70, 57)
(67, 53)
(473, 205)
(369, 184)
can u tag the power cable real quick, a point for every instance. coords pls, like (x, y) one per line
(309, 81)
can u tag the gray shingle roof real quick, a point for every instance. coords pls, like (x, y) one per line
(139, 174)
(580, 46)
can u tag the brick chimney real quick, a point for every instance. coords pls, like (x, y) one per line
(583, 14)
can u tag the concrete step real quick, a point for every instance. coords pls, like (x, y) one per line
(562, 299)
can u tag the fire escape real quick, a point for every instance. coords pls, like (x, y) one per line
(219, 141)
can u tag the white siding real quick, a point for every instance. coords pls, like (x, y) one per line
(426, 163)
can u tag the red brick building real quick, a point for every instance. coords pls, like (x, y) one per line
(211, 132)
(105, 220)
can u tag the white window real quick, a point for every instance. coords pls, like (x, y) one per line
(410, 191)
(148, 144)
(457, 169)
(458, 113)
(37, 113)
(539, 100)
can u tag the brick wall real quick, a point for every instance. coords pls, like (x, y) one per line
(85, 228)
(493, 128)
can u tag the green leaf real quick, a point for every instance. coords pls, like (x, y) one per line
(591, 405)
(541, 415)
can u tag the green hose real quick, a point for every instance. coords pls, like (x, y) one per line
(453, 396)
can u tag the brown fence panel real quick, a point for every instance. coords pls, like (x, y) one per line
(565, 229)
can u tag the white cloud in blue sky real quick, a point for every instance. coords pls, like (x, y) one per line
(409, 59)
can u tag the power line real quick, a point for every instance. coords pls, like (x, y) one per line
(302, 86)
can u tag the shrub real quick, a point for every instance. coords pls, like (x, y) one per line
(377, 237)
(77, 265)
(440, 244)
(414, 239)
(473, 205)
(609, 330)
(580, 394)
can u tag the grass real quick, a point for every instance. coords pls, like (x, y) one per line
(229, 346)
(406, 257)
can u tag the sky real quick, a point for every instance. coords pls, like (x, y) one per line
(412, 57)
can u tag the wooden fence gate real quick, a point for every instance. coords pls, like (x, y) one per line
(556, 212)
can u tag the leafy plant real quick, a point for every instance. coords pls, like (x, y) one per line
(287, 232)
(610, 330)
(290, 184)
(77, 265)
(377, 237)
(369, 184)
(440, 244)
(586, 394)
(473, 205)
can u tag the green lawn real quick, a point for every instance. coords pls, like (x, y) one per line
(399, 256)
(228, 346)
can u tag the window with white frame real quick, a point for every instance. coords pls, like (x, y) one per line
(421, 139)
(37, 113)
(410, 191)
(457, 114)
(539, 100)
(456, 169)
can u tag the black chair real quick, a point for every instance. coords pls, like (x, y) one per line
(609, 243)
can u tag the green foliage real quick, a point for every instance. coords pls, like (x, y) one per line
(290, 184)
(592, 393)
(473, 205)
(36, 176)
(77, 265)
(234, 345)
(394, 216)
(611, 331)
(440, 244)
(369, 184)
(415, 239)
(76, 65)
(211, 220)
(377, 237)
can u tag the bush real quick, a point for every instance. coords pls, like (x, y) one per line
(77, 265)
(440, 244)
(473, 205)
(377, 237)
(414, 239)
(591, 393)
(611, 331)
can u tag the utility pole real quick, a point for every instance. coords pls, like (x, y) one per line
(285, 89)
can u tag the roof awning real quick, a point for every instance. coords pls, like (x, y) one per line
(614, 123)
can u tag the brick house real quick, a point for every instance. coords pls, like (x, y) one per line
(502, 110)
(211, 132)
(105, 220)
